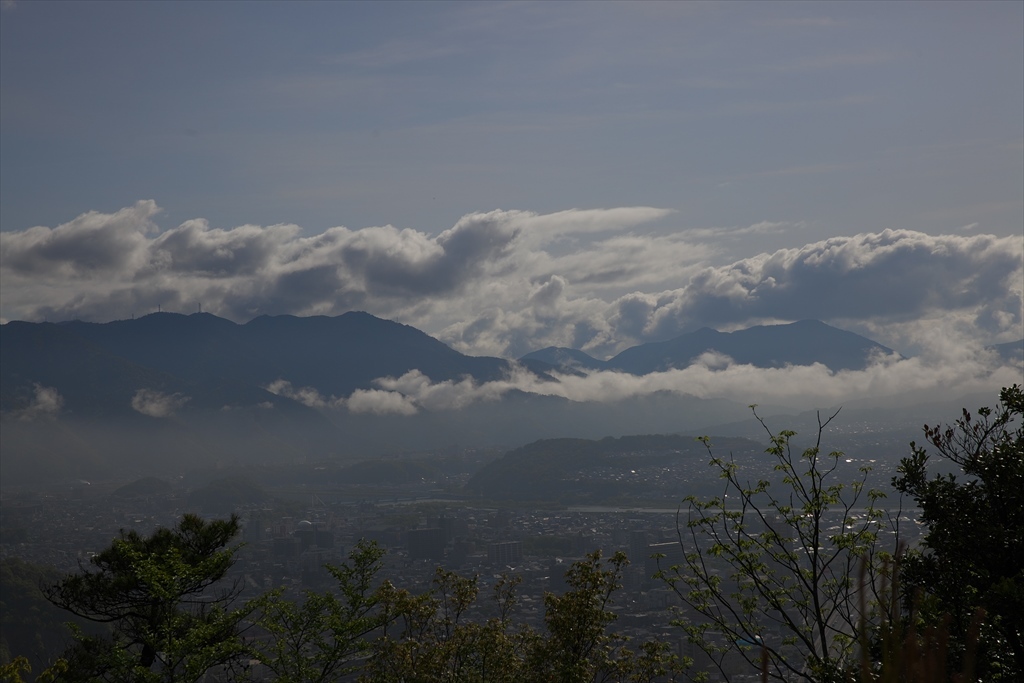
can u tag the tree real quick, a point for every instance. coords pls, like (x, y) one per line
(439, 635)
(972, 555)
(431, 636)
(320, 639)
(10, 672)
(768, 577)
(580, 648)
(167, 621)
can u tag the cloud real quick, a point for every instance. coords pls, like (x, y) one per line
(585, 221)
(945, 370)
(195, 248)
(405, 395)
(895, 275)
(307, 396)
(761, 228)
(92, 244)
(413, 391)
(46, 403)
(507, 282)
(379, 402)
(156, 403)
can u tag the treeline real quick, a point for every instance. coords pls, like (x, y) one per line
(171, 621)
(795, 581)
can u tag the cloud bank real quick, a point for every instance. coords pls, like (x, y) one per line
(509, 282)
(713, 375)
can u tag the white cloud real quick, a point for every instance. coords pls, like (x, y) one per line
(307, 396)
(895, 275)
(947, 370)
(90, 245)
(46, 402)
(379, 402)
(546, 227)
(158, 404)
(509, 282)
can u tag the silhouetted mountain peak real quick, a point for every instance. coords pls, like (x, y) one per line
(800, 343)
(335, 355)
(566, 358)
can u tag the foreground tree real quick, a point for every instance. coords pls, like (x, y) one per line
(326, 636)
(437, 636)
(580, 647)
(167, 621)
(769, 572)
(12, 671)
(434, 636)
(972, 555)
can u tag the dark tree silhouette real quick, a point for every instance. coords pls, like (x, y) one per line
(972, 555)
(168, 621)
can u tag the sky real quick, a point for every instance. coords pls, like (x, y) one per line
(511, 176)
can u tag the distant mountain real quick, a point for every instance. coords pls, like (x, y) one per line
(131, 396)
(566, 359)
(91, 380)
(767, 346)
(77, 397)
(72, 407)
(96, 379)
(335, 355)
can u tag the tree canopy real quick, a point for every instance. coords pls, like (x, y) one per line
(972, 556)
(167, 620)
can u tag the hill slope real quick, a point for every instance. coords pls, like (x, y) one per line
(335, 355)
(767, 346)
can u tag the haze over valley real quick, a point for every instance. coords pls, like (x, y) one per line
(168, 392)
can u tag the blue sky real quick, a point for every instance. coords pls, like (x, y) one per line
(658, 166)
(851, 116)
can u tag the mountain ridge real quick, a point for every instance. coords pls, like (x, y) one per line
(77, 396)
(804, 342)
